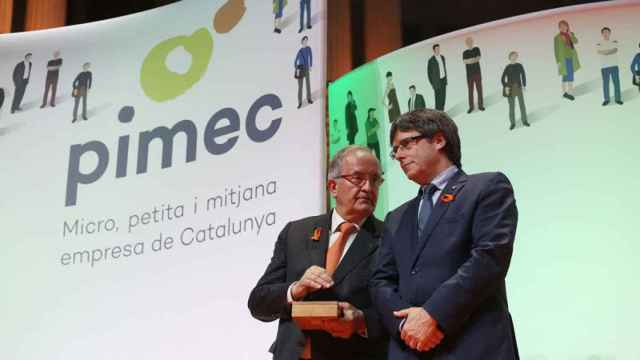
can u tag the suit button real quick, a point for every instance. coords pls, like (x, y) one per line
(413, 272)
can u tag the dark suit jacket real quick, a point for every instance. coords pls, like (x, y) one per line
(419, 103)
(294, 252)
(433, 72)
(456, 272)
(18, 73)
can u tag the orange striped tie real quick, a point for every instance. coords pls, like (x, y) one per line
(335, 250)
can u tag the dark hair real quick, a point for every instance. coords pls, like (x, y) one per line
(605, 28)
(304, 38)
(389, 74)
(412, 87)
(435, 46)
(28, 54)
(370, 110)
(349, 93)
(429, 122)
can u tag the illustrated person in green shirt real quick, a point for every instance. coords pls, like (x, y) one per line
(564, 45)
(371, 127)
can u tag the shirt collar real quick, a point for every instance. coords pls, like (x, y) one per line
(337, 220)
(441, 180)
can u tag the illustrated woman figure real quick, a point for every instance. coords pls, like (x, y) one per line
(564, 44)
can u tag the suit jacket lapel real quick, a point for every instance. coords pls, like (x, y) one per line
(440, 208)
(365, 243)
(318, 248)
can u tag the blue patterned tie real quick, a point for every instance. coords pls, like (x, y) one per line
(426, 208)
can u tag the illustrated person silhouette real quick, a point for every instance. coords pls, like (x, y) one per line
(21, 76)
(278, 11)
(564, 45)
(305, 7)
(608, 52)
(51, 82)
(81, 85)
(437, 73)
(514, 81)
(471, 58)
(416, 101)
(351, 120)
(336, 132)
(390, 99)
(635, 69)
(302, 65)
(372, 125)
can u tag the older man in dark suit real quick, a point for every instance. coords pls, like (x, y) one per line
(329, 257)
(440, 281)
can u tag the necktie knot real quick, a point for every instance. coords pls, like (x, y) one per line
(347, 228)
(427, 193)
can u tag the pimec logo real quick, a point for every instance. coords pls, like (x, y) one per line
(220, 134)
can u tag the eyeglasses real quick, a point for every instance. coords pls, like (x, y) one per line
(406, 144)
(359, 179)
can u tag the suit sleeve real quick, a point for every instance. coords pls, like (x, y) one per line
(268, 299)
(384, 285)
(493, 232)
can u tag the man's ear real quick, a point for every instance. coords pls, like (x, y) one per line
(439, 140)
(331, 186)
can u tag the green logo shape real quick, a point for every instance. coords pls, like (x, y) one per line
(161, 84)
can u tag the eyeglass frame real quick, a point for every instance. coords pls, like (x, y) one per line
(349, 178)
(407, 143)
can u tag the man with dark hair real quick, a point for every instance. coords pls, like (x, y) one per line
(471, 59)
(302, 65)
(416, 101)
(351, 119)
(21, 76)
(51, 82)
(608, 51)
(329, 257)
(439, 284)
(437, 73)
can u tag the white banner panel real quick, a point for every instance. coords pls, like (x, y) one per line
(147, 165)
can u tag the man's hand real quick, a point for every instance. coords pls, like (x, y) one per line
(351, 321)
(420, 331)
(314, 279)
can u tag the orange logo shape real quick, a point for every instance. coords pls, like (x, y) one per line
(228, 16)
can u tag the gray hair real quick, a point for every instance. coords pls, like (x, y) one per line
(335, 166)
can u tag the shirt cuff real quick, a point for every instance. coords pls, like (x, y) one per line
(289, 295)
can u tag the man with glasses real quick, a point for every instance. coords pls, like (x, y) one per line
(329, 257)
(439, 283)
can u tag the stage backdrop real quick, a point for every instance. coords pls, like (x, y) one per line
(571, 281)
(138, 230)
